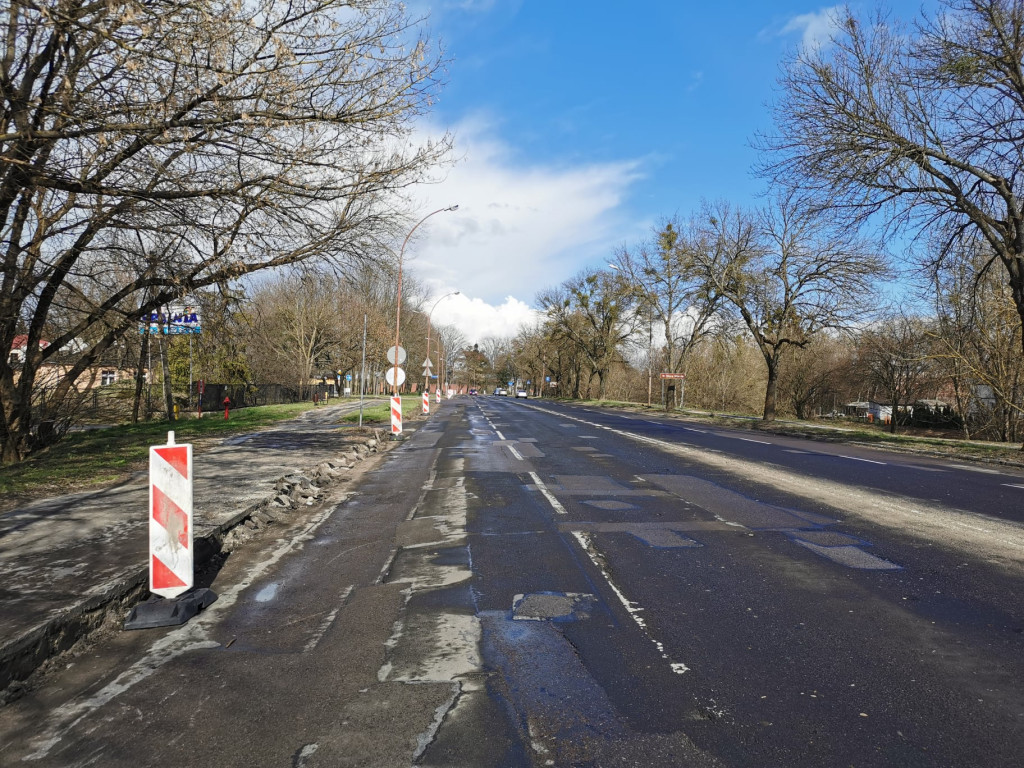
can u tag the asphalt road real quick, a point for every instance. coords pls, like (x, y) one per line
(531, 584)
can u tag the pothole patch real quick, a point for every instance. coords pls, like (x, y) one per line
(552, 606)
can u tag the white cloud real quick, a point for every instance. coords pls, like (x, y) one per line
(815, 28)
(478, 320)
(520, 227)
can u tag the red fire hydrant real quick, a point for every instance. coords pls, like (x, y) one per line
(227, 404)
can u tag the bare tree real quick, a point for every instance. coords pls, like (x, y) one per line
(593, 311)
(149, 149)
(897, 356)
(924, 125)
(670, 291)
(977, 343)
(790, 273)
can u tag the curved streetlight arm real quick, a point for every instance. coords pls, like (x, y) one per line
(398, 312)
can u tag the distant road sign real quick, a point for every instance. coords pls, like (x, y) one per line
(401, 355)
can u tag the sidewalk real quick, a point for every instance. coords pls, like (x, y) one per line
(65, 560)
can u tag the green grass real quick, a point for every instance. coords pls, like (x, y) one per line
(84, 460)
(380, 413)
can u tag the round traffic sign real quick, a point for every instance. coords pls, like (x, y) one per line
(401, 355)
(389, 376)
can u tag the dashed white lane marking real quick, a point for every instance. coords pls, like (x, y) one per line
(794, 450)
(751, 440)
(547, 494)
(1006, 532)
(514, 452)
(1013, 485)
(500, 436)
(631, 608)
(857, 458)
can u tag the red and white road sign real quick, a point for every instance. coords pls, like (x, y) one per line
(426, 401)
(437, 395)
(396, 415)
(170, 518)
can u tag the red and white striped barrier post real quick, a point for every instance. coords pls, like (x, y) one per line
(171, 571)
(437, 394)
(170, 518)
(396, 415)
(426, 401)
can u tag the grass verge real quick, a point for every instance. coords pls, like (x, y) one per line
(843, 432)
(380, 413)
(86, 460)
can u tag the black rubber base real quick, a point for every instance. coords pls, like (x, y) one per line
(163, 612)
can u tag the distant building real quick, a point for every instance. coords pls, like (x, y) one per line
(19, 348)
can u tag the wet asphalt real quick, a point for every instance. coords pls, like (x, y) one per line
(530, 584)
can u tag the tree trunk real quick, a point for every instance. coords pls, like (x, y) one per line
(770, 392)
(139, 378)
(166, 370)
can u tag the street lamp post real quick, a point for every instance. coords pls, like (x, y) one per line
(398, 312)
(426, 372)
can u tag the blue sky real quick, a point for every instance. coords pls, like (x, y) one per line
(579, 125)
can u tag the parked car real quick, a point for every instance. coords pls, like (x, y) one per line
(497, 390)
(472, 391)
(503, 392)
(521, 393)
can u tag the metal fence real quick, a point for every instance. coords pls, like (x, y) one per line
(243, 395)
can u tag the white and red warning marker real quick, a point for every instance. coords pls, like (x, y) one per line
(170, 518)
(396, 415)
(437, 395)
(426, 401)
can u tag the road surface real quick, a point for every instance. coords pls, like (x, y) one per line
(529, 584)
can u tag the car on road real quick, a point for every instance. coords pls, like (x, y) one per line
(521, 393)
(503, 392)
(472, 391)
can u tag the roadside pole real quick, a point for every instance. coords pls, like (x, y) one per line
(362, 374)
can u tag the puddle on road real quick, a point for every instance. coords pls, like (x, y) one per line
(268, 593)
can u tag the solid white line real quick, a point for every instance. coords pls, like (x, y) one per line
(498, 433)
(547, 494)
(857, 458)
(1011, 485)
(749, 440)
(514, 452)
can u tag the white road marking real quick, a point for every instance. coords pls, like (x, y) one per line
(547, 494)
(631, 608)
(857, 458)
(321, 630)
(500, 436)
(796, 483)
(514, 452)
(983, 470)
(1012, 485)
(751, 440)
